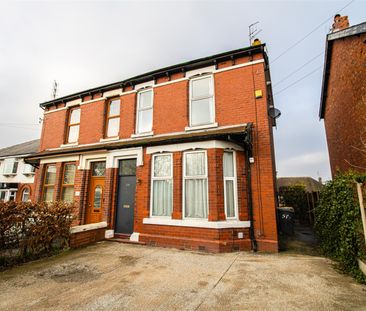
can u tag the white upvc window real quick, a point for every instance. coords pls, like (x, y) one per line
(230, 185)
(202, 103)
(144, 115)
(25, 195)
(28, 169)
(10, 166)
(162, 185)
(195, 185)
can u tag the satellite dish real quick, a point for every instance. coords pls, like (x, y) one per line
(274, 112)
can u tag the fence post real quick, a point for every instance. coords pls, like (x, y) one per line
(362, 207)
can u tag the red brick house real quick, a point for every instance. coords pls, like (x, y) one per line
(343, 99)
(181, 156)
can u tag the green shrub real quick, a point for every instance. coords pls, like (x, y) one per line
(295, 196)
(338, 223)
(28, 230)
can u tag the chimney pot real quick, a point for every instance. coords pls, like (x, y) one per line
(340, 22)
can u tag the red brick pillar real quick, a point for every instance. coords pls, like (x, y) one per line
(177, 185)
(215, 185)
(58, 182)
(242, 186)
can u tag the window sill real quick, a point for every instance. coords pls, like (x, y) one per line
(201, 127)
(29, 174)
(69, 145)
(9, 174)
(142, 134)
(109, 139)
(196, 223)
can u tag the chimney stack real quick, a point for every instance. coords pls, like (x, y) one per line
(340, 22)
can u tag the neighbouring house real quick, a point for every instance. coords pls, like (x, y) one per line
(343, 98)
(16, 176)
(307, 201)
(182, 156)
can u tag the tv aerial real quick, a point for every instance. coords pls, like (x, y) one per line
(253, 31)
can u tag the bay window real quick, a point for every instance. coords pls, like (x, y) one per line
(113, 118)
(195, 184)
(162, 185)
(49, 182)
(144, 111)
(73, 125)
(68, 179)
(202, 107)
(230, 184)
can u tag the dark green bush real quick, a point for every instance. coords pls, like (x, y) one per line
(295, 196)
(28, 230)
(338, 223)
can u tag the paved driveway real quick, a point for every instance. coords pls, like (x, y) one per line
(113, 276)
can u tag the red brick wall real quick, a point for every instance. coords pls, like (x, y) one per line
(346, 104)
(86, 237)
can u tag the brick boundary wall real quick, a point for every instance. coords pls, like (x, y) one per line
(84, 238)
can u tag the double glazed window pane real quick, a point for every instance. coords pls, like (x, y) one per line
(229, 198)
(113, 127)
(162, 166)
(196, 198)
(228, 164)
(74, 116)
(69, 174)
(50, 176)
(162, 197)
(201, 87)
(145, 100)
(73, 134)
(114, 107)
(144, 121)
(48, 194)
(202, 111)
(67, 194)
(195, 164)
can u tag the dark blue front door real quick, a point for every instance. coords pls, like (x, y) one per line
(126, 196)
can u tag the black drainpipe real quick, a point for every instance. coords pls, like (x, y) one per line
(249, 154)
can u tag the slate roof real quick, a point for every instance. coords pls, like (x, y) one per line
(311, 185)
(26, 148)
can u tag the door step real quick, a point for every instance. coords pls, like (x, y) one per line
(126, 241)
(124, 236)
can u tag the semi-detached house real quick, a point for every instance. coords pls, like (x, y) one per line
(181, 156)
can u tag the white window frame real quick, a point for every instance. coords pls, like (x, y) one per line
(203, 76)
(235, 183)
(6, 191)
(10, 161)
(161, 178)
(149, 89)
(195, 177)
(32, 170)
(23, 191)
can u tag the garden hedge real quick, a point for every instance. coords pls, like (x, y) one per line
(338, 223)
(28, 230)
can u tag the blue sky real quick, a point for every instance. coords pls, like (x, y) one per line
(86, 44)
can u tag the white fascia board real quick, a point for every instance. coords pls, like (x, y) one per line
(210, 144)
(60, 159)
(228, 224)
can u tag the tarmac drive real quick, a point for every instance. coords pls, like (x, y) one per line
(114, 276)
